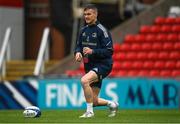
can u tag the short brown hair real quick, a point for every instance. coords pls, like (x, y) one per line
(90, 6)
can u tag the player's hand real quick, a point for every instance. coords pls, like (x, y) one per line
(78, 57)
(87, 51)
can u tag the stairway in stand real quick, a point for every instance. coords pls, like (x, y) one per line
(17, 69)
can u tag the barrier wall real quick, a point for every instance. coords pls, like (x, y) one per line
(137, 93)
(18, 94)
(131, 93)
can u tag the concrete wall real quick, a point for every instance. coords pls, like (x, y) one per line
(13, 17)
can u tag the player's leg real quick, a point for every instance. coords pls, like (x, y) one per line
(98, 101)
(86, 80)
(113, 106)
(102, 72)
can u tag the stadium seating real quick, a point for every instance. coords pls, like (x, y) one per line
(153, 52)
(160, 20)
(17, 69)
(167, 21)
(170, 64)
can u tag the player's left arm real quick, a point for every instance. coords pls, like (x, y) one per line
(106, 49)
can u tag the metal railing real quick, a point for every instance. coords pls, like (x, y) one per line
(43, 53)
(5, 53)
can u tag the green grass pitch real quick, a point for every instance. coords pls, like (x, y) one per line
(72, 116)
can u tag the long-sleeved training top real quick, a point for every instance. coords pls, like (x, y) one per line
(98, 38)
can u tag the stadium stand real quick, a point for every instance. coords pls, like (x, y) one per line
(131, 44)
(153, 52)
(17, 69)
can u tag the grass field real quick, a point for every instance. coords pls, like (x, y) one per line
(72, 116)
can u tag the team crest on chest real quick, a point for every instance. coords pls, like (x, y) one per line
(84, 34)
(94, 34)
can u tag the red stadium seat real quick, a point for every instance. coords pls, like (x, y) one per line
(113, 73)
(129, 38)
(176, 73)
(148, 65)
(170, 65)
(116, 47)
(115, 57)
(150, 38)
(160, 20)
(172, 37)
(122, 73)
(177, 46)
(159, 65)
(142, 55)
(136, 47)
(152, 55)
(166, 29)
(163, 55)
(125, 47)
(165, 73)
(80, 72)
(145, 29)
(155, 29)
(176, 28)
(126, 65)
(73, 73)
(170, 20)
(168, 46)
(178, 64)
(175, 55)
(69, 72)
(121, 56)
(157, 46)
(178, 20)
(161, 37)
(143, 73)
(139, 38)
(132, 73)
(116, 65)
(131, 55)
(146, 46)
(154, 73)
(137, 65)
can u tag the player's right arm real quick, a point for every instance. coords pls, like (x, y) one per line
(78, 48)
(78, 57)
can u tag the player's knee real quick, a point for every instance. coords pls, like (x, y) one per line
(84, 82)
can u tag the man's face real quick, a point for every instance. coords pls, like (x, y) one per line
(90, 16)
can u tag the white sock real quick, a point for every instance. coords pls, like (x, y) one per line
(111, 104)
(89, 107)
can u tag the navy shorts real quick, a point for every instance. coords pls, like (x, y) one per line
(102, 71)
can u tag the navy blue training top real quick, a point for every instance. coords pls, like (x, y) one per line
(98, 38)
